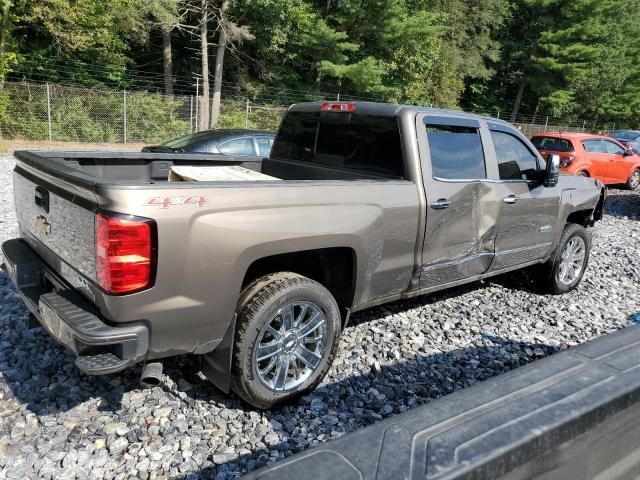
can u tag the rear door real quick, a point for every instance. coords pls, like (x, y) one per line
(462, 204)
(598, 157)
(530, 211)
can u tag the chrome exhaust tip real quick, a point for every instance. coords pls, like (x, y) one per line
(151, 375)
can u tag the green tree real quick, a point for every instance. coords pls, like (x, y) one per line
(590, 54)
(64, 40)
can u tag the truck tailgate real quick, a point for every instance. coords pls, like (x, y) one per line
(57, 220)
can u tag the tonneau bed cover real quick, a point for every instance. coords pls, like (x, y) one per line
(575, 415)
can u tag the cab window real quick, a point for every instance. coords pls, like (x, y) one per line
(347, 141)
(515, 160)
(456, 152)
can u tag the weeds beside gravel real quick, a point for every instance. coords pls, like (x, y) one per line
(57, 423)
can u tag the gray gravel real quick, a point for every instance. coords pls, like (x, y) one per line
(58, 423)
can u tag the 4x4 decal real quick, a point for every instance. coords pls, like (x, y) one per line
(172, 201)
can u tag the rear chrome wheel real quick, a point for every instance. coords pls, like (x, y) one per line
(291, 345)
(287, 333)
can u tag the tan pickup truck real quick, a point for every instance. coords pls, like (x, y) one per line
(369, 203)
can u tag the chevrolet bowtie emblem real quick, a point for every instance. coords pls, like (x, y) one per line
(42, 225)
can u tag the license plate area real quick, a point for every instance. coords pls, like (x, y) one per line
(52, 321)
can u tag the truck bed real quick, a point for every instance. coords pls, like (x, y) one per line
(107, 169)
(575, 415)
(208, 235)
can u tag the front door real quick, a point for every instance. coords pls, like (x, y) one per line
(599, 159)
(618, 169)
(530, 211)
(462, 205)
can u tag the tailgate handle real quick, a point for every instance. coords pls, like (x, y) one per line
(42, 199)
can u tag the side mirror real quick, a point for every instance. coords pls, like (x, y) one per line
(629, 152)
(552, 172)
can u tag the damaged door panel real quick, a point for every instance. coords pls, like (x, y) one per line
(462, 204)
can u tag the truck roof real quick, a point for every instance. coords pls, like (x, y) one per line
(391, 109)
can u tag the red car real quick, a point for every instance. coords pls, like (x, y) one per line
(589, 155)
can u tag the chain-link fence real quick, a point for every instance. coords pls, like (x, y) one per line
(533, 124)
(39, 112)
(76, 114)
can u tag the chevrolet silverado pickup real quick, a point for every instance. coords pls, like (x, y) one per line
(366, 203)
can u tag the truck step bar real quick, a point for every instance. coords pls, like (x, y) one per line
(574, 415)
(101, 363)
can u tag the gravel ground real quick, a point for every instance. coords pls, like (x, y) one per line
(58, 423)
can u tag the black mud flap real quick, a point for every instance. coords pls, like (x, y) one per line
(574, 415)
(216, 365)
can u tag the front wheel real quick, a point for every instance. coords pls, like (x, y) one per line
(634, 180)
(286, 338)
(564, 270)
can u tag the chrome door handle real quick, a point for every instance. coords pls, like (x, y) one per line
(440, 204)
(511, 199)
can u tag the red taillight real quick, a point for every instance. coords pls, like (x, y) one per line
(567, 160)
(123, 253)
(338, 107)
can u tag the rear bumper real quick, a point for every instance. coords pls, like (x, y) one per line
(69, 318)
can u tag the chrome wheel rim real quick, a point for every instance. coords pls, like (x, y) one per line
(572, 261)
(634, 182)
(291, 345)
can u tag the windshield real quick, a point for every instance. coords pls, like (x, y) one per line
(182, 142)
(553, 144)
(626, 135)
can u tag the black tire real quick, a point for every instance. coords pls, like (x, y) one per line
(583, 174)
(549, 273)
(259, 303)
(634, 180)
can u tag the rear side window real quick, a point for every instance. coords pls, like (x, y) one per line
(264, 145)
(365, 143)
(456, 152)
(238, 146)
(553, 144)
(515, 160)
(594, 146)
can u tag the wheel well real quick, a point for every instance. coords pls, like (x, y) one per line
(587, 218)
(332, 267)
(583, 217)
